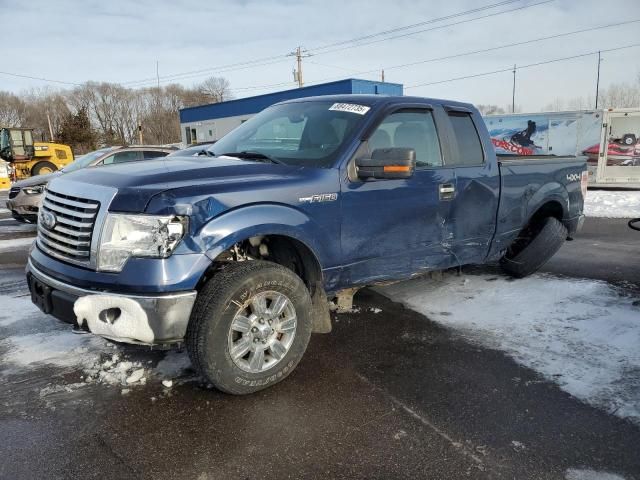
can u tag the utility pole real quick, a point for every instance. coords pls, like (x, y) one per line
(513, 93)
(382, 75)
(159, 102)
(297, 74)
(598, 79)
(50, 127)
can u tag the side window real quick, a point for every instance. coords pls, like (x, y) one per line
(124, 157)
(106, 161)
(149, 154)
(467, 139)
(410, 129)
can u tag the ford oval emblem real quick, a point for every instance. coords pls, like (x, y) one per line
(48, 219)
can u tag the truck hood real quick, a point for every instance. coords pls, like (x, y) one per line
(138, 183)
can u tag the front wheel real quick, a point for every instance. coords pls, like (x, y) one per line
(250, 326)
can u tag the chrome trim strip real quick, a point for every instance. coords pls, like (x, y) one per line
(92, 205)
(48, 245)
(72, 213)
(60, 238)
(76, 233)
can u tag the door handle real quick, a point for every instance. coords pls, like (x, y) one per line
(447, 191)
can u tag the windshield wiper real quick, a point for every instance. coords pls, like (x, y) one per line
(250, 155)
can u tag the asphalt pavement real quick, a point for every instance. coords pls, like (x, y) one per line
(385, 395)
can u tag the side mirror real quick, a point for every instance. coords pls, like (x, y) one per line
(387, 163)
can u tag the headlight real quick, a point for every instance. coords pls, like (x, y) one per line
(125, 236)
(35, 189)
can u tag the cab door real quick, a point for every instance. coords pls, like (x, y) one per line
(393, 227)
(474, 208)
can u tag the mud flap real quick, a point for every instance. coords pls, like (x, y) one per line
(320, 311)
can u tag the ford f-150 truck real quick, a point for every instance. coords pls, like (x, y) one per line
(237, 253)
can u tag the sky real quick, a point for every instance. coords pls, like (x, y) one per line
(76, 41)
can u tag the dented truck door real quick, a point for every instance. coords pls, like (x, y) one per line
(474, 207)
(394, 227)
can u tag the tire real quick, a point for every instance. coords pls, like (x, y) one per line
(528, 254)
(226, 302)
(629, 139)
(43, 168)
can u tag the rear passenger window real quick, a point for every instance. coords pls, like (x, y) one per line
(410, 129)
(467, 139)
(124, 157)
(149, 154)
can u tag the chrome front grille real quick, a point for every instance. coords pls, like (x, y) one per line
(65, 226)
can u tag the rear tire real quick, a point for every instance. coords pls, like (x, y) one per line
(250, 326)
(44, 167)
(527, 255)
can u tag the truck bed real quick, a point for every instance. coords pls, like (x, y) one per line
(527, 182)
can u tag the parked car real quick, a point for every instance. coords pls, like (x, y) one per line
(25, 195)
(310, 199)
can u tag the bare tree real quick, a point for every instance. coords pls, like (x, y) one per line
(620, 95)
(113, 111)
(12, 110)
(216, 89)
(490, 109)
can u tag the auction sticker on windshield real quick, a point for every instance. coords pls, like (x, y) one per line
(350, 107)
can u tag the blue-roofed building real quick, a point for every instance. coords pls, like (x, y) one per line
(208, 123)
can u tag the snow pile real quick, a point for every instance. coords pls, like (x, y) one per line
(58, 348)
(115, 371)
(581, 334)
(578, 474)
(610, 204)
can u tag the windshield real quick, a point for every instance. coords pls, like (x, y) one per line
(86, 160)
(301, 133)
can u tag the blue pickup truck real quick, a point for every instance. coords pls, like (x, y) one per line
(238, 253)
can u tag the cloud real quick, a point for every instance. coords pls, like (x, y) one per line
(121, 41)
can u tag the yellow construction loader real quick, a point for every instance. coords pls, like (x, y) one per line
(27, 158)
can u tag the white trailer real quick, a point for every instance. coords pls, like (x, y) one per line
(610, 139)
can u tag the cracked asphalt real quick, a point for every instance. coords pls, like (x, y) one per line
(385, 395)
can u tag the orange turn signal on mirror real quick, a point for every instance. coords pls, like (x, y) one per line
(397, 168)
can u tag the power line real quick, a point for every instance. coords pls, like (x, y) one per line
(439, 27)
(414, 25)
(20, 75)
(456, 55)
(520, 67)
(280, 58)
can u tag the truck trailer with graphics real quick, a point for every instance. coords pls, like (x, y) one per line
(610, 139)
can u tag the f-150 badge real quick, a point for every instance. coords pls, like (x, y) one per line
(320, 197)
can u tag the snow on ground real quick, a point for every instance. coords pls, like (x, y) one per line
(62, 349)
(576, 474)
(4, 210)
(15, 244)
(30, 340)
(581, 334)
(612, 204)
(15, 227)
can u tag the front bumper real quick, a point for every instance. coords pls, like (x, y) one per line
(25, 206)
(143, 319)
